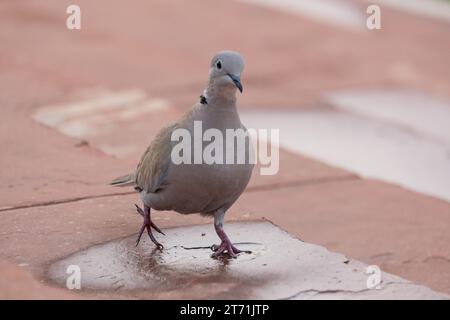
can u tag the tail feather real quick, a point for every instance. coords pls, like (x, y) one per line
(123, 181)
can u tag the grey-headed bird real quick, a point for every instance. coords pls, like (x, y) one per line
(206, 188)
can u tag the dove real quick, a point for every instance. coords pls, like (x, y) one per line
(189, 188)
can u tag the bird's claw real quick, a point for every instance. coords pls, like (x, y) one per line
(226, 248)
(152, 224)
(148, 224)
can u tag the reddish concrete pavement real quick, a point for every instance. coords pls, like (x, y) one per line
(163, 49)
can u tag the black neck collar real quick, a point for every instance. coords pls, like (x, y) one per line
(203, 99)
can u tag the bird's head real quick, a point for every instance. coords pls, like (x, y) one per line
(225, 71)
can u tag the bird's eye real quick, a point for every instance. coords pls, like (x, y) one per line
(219, 64)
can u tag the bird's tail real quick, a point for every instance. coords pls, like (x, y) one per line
(123, 181)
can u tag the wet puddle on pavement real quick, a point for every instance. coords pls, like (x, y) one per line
(278, 267)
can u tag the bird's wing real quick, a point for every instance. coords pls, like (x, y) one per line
(123, 181)
(154, 164)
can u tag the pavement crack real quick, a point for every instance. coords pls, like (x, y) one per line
(317, 292)
(62, 201)
(196, 248)
(430, 258)
(299, 183)
(266, 187)
(210, 247)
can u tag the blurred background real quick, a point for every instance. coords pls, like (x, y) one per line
(364, 119)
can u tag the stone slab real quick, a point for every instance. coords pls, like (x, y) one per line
(404, 233)
(279, 267)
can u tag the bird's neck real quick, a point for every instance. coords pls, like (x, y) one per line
(225, 96)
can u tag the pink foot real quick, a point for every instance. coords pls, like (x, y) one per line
(148, 224)
(226, 247)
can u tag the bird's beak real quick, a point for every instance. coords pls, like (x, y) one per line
(237, 81)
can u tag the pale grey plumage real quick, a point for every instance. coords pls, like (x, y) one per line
(197, 188)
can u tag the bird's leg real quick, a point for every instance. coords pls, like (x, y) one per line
(148, 224)
(225, 245)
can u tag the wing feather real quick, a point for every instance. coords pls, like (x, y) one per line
(154, 164)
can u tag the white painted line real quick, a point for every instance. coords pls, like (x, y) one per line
(367, 147)
(413, 110)
(438, 9)
(335, 12)
(95, 113)
(147, 106)
(53, 115)
(118, 150)
(86, 117)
